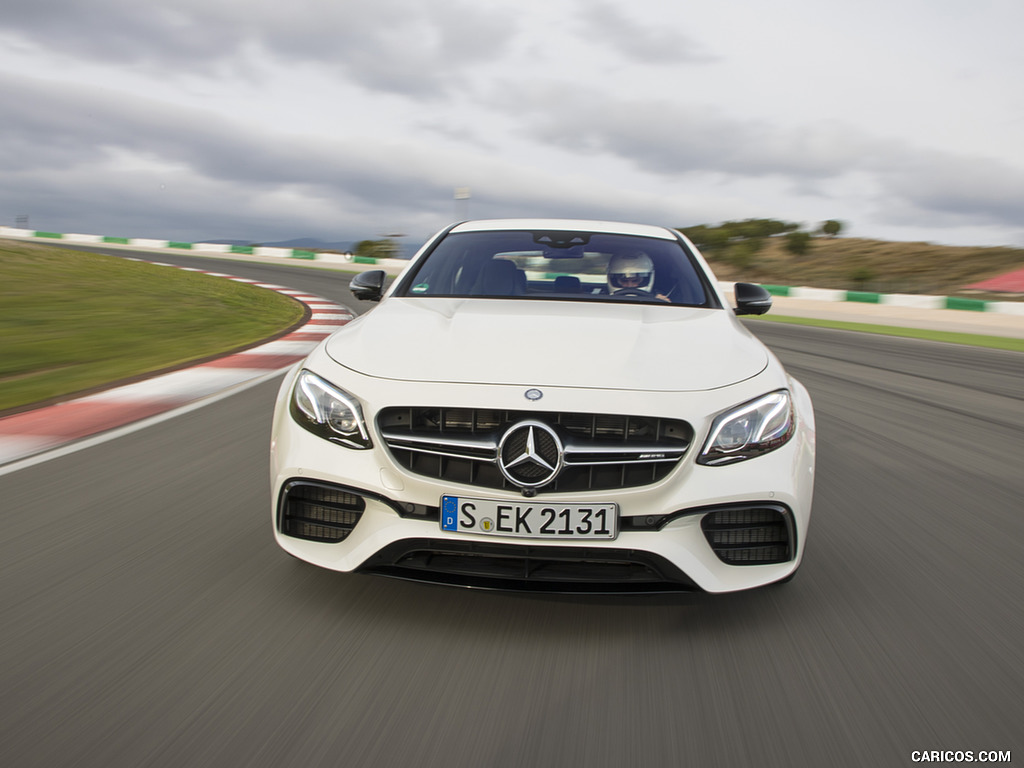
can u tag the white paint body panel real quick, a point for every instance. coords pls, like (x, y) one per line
(507, 341)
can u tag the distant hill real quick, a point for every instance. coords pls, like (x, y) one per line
(869, 265)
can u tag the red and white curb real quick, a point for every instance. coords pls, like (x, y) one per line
(26, 434)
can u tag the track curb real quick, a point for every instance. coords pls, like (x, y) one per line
(28, 433)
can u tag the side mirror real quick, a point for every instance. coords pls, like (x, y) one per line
(752, 299)
(368, 286)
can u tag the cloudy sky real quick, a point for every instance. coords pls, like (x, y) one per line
(343, 120)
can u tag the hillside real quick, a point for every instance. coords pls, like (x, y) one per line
(869, 265)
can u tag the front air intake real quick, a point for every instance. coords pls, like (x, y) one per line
(757, 534)
(318, 512)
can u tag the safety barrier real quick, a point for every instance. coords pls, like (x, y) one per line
(914, 301)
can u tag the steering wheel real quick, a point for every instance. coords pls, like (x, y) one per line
(641, 293)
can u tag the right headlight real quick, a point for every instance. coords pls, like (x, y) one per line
(750, 430)
(328, 411)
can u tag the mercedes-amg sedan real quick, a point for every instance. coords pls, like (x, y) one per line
(548, 404)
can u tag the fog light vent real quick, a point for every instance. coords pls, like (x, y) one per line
(757, 535)
(319, 512)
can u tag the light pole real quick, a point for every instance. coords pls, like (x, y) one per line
(462, 203)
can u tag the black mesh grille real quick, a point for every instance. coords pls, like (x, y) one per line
(603, 451)
(319, 512)
(524, 567)
(759, 535)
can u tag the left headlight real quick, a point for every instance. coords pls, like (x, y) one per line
(750, 430)
(328, 411)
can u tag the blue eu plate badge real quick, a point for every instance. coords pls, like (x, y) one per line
(449, 513)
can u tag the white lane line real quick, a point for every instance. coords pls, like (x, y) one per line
(15, 446)
(113, 434)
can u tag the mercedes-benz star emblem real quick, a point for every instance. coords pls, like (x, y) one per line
(533, 395)
(530, 454)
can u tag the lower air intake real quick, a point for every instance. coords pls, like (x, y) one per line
(751, 535)
(318, 512)
(529, 568)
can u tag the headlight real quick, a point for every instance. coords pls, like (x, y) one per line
(327, 411)
(750, 430)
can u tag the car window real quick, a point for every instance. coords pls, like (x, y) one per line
(563, 266)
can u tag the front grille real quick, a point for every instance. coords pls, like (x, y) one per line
(318, 512)
(750, 535)
(530, 568)
(601, 451)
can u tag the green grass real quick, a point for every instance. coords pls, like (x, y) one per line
(72, 321)
(975, 340)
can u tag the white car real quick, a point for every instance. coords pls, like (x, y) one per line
(548, 404)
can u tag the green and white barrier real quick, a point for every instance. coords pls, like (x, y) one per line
(148, 244)
(909, 300)
(794, 292)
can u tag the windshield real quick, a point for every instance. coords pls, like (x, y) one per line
(565, 266)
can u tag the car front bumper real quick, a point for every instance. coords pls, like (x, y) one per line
(665, 539)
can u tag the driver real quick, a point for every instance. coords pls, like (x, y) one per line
(631, 273)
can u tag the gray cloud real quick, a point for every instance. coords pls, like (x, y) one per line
(84, 159)
(57, 125)
(669, 139)
(462, 86)
(75, 156)
(401, 46)
(947, 190)
(606, 25)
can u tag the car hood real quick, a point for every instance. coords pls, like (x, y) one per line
(550, 343)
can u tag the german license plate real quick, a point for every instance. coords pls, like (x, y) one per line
(528, 519)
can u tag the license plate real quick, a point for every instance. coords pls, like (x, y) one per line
(533, 520)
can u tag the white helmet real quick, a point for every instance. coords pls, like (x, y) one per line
(633, 270)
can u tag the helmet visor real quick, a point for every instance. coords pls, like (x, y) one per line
(629, 279)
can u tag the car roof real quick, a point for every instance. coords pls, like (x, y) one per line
(572, 225)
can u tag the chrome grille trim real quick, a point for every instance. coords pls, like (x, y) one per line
(482, 448)
(602, 451)
(650, 453)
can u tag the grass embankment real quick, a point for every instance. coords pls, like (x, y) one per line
(858, 264)
(73, 321)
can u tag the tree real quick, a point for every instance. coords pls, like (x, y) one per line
(798, 243)
(742, 253)
(728, 233)
(832, 227)
(707, 238)
(376, 249)
(758, 228)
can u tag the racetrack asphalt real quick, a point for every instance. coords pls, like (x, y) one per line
(949, 320)
(151, 620)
